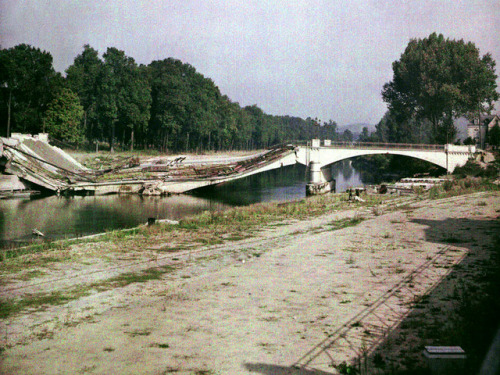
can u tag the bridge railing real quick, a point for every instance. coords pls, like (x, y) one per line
(376, 145)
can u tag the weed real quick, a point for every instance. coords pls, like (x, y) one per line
(398, 270)
(159, 345)
(344, 368)
(344, 223)
(351, 260)
(28, 275)
(377, 210)
(139, 332)
(134, 277)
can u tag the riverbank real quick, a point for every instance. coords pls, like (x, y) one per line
(273, 289)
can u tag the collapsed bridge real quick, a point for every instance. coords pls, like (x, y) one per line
(31, 163)
(28, 162)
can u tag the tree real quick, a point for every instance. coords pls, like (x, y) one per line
(329, 130)
(397, 128)
(469, 141)
(124, 97)
(63, 117)
(30, 83)
(170, 99)
(365, 135)
(347, 136)
(494, 136)
(83, 78)
(257, 122)
(438, 80)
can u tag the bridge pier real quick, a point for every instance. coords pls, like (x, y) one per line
(320, 180)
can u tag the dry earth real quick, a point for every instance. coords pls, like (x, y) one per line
(297, 298)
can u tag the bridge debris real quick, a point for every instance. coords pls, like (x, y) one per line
(30, 162)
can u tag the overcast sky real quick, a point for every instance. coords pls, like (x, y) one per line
(319, 58)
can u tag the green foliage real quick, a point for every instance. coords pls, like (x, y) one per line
(170, 106)
(63, 117)
(83, 78)
(344, 368)
(473, 169)
(365, 135)
(469, 141)
(494, 136)
(347, 136)
(166, 105)
(124, 97)
(30, 84)
(462, 186)
(437, 80)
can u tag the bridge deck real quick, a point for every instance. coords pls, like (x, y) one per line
(376, 145)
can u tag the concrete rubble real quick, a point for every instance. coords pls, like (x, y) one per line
(29, 164)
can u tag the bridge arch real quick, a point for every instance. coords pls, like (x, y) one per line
(331, 159)
(445, 156)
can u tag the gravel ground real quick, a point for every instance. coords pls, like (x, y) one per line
(298, 298)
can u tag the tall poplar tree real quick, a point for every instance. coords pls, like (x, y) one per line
(439, 79)
(82, 78)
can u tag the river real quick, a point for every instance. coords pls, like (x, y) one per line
(70, 217)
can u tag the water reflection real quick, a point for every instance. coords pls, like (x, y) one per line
(68, 217)
(282, 184)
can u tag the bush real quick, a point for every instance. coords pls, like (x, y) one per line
(448, 185)
(474, 169)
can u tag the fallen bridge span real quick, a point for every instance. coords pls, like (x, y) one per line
(32, 163)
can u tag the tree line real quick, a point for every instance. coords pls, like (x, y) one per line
(166, 105)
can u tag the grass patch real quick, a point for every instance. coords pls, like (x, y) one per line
(460, 186)
(10, 307)
(28, 275)
(344, 223)
(40, 301)
(131, 278)
(208, 228)
(139, 332)
(159, 345)
(32, 249)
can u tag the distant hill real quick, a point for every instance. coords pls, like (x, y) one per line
(356, 128)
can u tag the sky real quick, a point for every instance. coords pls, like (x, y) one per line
(325, 59)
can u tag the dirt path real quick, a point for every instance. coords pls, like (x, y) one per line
(296, 299)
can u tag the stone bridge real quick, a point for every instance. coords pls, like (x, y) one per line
(318, 157)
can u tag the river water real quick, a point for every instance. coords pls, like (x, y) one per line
(69, 217)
